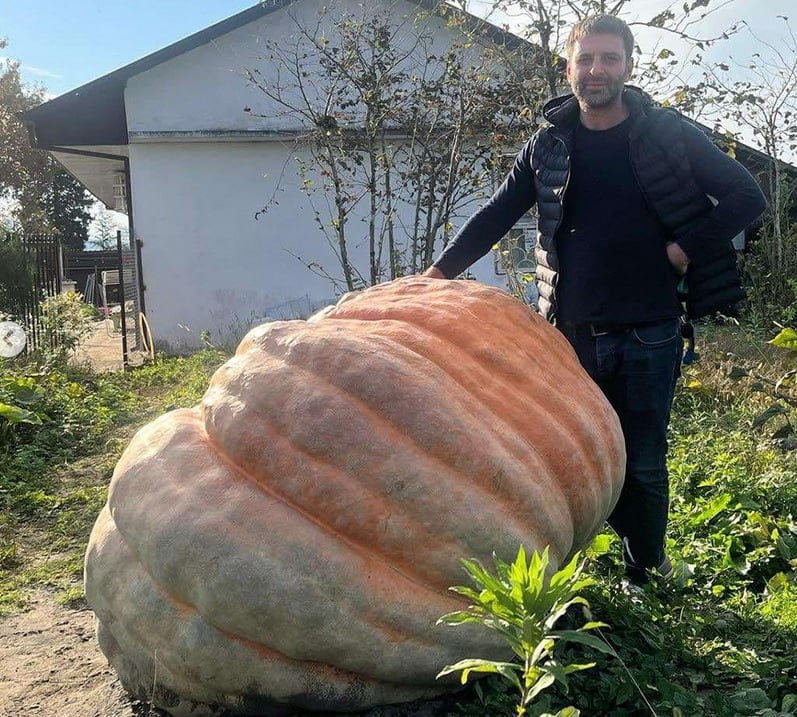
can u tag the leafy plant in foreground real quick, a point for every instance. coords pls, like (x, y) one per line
(777, 394)
(522, 604)
(18, 396)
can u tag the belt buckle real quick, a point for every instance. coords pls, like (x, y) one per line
(595, 333)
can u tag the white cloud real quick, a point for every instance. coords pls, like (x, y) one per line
(30, 69)
(39, 72)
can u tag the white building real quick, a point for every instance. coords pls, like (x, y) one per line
(169, 139)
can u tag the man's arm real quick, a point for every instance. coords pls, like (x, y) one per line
(486, 227)
(739, 198)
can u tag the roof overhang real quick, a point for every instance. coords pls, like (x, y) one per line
(99, 168)
(89, 116)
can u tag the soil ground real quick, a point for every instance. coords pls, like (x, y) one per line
(50, 665)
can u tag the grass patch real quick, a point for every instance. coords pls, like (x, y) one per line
(54, 475)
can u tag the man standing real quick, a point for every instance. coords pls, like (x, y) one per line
(630, 197)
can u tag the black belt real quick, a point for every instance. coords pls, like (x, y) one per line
(602, 329)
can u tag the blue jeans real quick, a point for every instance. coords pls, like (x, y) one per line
(637, 369)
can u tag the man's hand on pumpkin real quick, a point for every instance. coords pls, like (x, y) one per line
(434, 273)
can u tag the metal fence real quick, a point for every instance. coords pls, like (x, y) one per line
(46, 261)
(129, 297)
(109, 280)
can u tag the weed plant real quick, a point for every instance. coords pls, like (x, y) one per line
(522, 603)
(61, 433)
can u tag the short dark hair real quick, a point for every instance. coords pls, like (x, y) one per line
(601, 24)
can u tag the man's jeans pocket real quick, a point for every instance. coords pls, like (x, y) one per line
(658, 334)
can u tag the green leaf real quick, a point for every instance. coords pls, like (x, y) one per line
(25, 392)
(778, 582)
(584, 639)
(541, 684)
(789, 703)
(735, 556)
(466, 592)
(555, 615)
(15, 414)
(714, 507)
(776, 409)
(509, 670)
(745, 701)
(601, 545)
(786, 339)
(458, 618)
(570, 669)
(543, 648)
(567, 573)
(558, 671)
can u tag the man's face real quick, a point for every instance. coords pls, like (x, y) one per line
(597, 70)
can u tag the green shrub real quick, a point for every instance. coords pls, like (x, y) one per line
(16, 276)
(65, 321)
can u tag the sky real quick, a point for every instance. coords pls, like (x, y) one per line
(63, 44)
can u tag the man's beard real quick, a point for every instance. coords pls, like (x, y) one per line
(594, 98)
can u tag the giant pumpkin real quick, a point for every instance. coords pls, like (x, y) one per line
(288, 544)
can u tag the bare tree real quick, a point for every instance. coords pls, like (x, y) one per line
(756, 99)
(400, 129)
(660, 69)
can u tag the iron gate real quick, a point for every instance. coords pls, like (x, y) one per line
(46, 261)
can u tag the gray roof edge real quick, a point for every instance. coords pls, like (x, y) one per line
(116, 80)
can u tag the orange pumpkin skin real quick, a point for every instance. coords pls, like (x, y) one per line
(289, 542)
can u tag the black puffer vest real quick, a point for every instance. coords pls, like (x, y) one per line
(662, 168)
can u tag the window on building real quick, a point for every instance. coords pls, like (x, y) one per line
(515, 252)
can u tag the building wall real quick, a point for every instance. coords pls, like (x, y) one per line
(201, 168)
(208, 264)
(206, 89)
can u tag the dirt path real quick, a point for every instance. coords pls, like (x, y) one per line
(50, 665)
(102, 348)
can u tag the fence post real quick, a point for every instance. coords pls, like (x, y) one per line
(122, 317)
